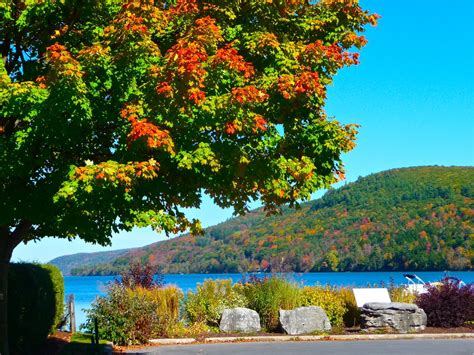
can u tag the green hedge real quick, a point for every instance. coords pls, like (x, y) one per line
(35, 305)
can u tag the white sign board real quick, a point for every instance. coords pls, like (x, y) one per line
(366, 295)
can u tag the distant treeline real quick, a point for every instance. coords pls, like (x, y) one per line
(403, 219)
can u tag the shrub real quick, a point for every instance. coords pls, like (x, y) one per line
(267, 296)
(193, 330)
(58, 289)
(138, 275)
(351, 317)
(328, 298)
(35, 305)
(448, 304)
(209, 301)
(134, 316)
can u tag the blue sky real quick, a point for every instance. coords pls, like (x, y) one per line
(413, 95)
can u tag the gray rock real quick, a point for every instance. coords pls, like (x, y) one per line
(400, 317)
(242, 320)
(304, 320)
(380, 306)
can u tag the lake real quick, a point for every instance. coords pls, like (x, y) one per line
(87, 288)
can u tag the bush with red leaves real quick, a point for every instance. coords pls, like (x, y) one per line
(449, 304)
(141, 276)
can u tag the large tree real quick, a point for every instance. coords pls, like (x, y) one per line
(115, 114)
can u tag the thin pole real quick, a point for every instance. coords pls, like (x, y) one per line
(72, 314)
(96, 331)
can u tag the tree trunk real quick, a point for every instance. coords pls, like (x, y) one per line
(5, 256)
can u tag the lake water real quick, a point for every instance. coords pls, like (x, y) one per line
(87, 288)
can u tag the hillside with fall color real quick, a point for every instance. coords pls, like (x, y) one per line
(403, 219)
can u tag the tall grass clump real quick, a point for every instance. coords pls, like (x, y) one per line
(206, 305)
(328, 298)
(267, 296)
(400, 294)
(166, 301)
(134, 315)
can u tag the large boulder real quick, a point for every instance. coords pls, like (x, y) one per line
(304, 320)
(400, 317)
(242, 320)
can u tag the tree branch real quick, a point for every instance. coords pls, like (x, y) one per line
(18, 235)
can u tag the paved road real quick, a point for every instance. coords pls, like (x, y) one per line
(372, 347)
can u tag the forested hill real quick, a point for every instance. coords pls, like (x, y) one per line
(413, 218)
(68, 262)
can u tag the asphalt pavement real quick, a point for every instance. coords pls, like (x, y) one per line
(370, 347)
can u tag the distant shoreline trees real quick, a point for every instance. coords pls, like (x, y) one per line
(404, 219)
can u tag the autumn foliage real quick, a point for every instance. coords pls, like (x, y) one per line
(121, 114)
(450, 304)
